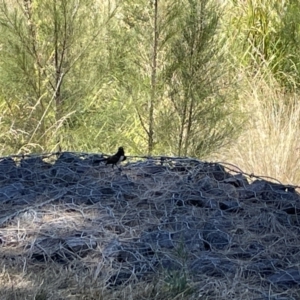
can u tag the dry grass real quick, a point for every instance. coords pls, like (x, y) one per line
(85, 278)
(50, 222)
(37, 226)
(270, 144)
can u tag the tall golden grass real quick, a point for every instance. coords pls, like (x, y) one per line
(270, 143)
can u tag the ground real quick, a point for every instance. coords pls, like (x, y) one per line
(155, 228)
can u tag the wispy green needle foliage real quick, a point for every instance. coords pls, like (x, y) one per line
(196, 107)
(46, 62)
(153, 76)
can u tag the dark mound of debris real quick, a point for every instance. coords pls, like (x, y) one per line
(153, 215)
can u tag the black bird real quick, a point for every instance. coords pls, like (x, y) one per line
(116, 158)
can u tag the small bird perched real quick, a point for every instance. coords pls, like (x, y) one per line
(116, 158)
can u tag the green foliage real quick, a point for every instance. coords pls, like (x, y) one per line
(141, 57)
(196, 109)
(265, 36)
(288, 35)
(178, 282)
(254, 24)
(43, 66)
(95, 76)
